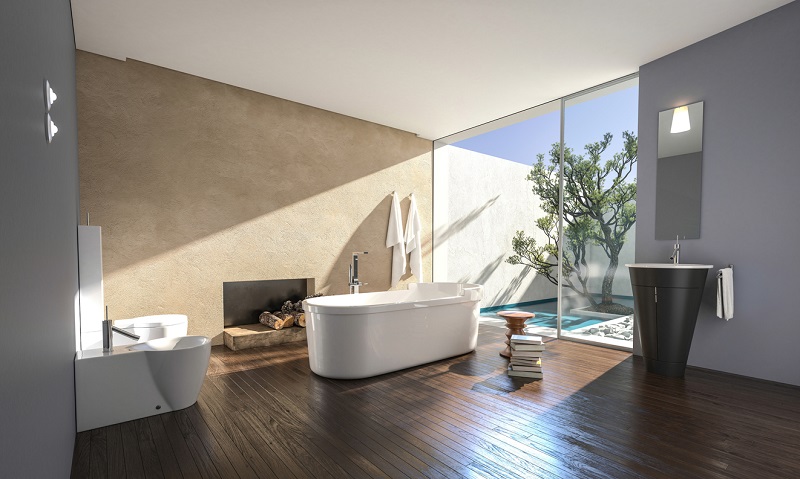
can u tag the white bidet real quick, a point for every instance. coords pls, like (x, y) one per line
(140, 380)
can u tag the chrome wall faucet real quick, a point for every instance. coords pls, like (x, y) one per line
(676, 252)
(352, 277)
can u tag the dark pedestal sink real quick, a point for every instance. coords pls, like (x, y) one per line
(666, 299)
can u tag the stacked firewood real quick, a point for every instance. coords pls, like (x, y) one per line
(291, 314)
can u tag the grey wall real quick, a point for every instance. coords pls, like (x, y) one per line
(38, 245)
(749, 78)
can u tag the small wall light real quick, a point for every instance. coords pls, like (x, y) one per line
(50, 127)
(50, 96)
(680, 120)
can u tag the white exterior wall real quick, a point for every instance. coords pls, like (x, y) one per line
(480, 201)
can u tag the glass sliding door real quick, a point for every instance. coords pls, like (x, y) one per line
(597, 212)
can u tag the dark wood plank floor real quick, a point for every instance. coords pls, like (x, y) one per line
(597, 413)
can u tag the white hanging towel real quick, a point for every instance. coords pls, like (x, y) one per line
(725, 293)
(414, 239)
(394, 239)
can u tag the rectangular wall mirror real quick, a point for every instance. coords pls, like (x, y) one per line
(679, 172)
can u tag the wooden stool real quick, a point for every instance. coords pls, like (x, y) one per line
(515, 322)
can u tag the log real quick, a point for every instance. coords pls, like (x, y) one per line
(299, 319)
(274, 321)
(287, 318)
(287, 308)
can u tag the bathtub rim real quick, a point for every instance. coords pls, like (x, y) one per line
(470, 292)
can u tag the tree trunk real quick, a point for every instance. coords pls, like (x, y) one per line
(583, 291)
(608, 279)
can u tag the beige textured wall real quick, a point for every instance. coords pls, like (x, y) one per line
(195, 183)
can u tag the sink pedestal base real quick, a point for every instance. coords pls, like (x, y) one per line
(666, 302)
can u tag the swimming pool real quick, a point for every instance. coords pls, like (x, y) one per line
(547, 316)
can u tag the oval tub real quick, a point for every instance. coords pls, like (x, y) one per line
(354, 336)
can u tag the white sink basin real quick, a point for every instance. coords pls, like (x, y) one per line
(169, 344)
(145, 379)
(670, 266)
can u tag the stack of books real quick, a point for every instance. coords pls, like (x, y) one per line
(526, 356)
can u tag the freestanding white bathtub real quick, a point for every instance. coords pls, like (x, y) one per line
(356, 336)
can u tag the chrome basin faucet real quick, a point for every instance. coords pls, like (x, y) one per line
(676, 252)
(108, 334)
(352, 277)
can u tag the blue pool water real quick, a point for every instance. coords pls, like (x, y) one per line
(568, 323)
(546, 316)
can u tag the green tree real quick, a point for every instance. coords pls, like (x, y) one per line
(599, 209)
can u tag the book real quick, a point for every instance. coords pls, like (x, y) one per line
(526, 354)
(527, 347)
(525, 362)
(525, 374)
(524, 339)
(527, 359)
(517, 367)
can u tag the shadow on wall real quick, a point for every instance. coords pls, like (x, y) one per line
(375, 267)
(485, 273)
(444, 233)
(169, 158)
(502, 297)
(539, 283)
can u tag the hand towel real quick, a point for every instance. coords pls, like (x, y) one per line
(414, 239)
(394, 239)
(725, 293)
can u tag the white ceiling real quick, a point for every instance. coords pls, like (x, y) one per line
(431, 67)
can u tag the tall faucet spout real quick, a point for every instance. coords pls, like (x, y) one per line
(676, 252)
(108, 334)
(128, 334)
(353, 280)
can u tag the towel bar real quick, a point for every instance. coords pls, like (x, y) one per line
(719, 271)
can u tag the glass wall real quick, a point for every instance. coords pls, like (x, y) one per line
(499, 212)
(599, 213)
(482, 199)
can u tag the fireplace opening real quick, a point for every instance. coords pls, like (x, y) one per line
(244, 301)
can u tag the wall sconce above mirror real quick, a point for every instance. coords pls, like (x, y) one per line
(680, 120)
(680, 130)
(679, 172)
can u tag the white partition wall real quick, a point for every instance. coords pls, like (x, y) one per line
(90, 273)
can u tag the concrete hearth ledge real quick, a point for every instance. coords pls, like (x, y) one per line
(257, 335)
